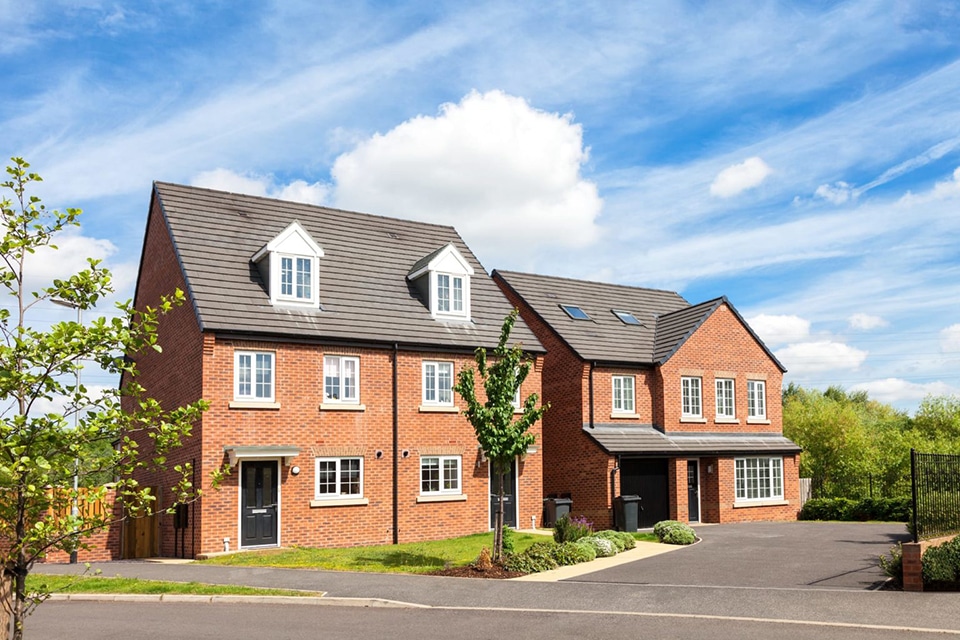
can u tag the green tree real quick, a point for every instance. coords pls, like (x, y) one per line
(502, 437)
(42, 452)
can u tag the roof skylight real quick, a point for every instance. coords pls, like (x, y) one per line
(626, 317)
(575, 312)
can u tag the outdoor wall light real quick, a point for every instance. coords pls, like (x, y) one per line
(295, 471)
(379, 454)
(405, 453)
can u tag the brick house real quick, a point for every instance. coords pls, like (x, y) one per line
(651, 396)
(327, 343)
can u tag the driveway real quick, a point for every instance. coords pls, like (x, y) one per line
(768, 555)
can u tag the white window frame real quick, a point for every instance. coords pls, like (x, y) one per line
(689, 384)
(296, 286)
(757, 399)
(442, 479)
(238, 382)
(339, 472)
(341, 361)
(455, 288)
(624, 399)
(725, 398)
(436, 366)
(758, 479)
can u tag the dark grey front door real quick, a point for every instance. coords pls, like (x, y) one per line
(693, 490)
(647, 478)
(258, 509)
(509, 497)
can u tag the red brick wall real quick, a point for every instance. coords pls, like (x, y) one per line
(299, 422)
(643, 381)
(173, 376)
(721, 348)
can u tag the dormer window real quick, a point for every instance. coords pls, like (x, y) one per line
(289, 266)
(443, 279)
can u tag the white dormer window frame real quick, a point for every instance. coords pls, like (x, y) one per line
(447, 282)
(290, 264)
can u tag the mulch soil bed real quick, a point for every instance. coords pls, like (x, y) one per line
(495, 572)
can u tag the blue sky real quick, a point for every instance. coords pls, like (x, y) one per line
(799, 158)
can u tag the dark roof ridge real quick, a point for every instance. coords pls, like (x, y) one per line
(582, 281)
(705, 303)
(308, 204)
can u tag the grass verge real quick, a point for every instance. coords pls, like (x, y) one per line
(414, 557)
(100, 584)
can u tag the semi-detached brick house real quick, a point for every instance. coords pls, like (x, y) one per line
(327, 343)
(651, 396)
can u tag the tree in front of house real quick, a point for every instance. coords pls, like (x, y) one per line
(503, 434)
(45, 452)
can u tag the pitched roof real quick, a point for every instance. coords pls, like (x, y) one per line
(647, 440)
(364, 291)
(604, 337)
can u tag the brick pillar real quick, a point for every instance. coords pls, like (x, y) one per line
(912, 566)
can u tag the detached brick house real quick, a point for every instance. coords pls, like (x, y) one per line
(327, 343)
(651, 396)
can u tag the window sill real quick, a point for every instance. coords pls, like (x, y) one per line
(623, 414)
(250, 404)
(341, 502)
(726, 421)
(342, 406)
(760, 503)
(757, 421)
(448, 497)
(693, 419)
(438, 408)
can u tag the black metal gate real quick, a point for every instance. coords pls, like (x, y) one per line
(935, 480)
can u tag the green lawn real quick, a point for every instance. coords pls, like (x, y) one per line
(99, 584)
(414, 557)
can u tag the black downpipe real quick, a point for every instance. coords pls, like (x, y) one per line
(193, 520)
(396, 448)
(592, 365)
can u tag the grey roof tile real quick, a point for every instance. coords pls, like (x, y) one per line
(604, 337)
(364, 292)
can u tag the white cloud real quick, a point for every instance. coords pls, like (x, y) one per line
(897, 390)
(950, 339)
(836, 193)
(296, 191)
(776, 330)
(824, 355)
(505, 174)
(944, 190)
(738, 178)
(68, 258)
(866, 322)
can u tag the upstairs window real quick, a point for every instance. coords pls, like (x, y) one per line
(443, 281)
(725, 408)
(289, 267)
(253, 376)
(623, 395)
(756, 399)
(690, 392)
(340, 379)
(438, 383)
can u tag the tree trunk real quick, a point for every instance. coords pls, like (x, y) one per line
(498, 521)
(6, 597)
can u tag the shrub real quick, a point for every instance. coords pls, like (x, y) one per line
(614, 537)
(569, 553)
(941, 565)
(537, 557)
(629, 542)
(893, 566)
(884, 509)
(507, 540)
(674, 532)
(568, 529)
(589, 553)
(604, 548)
(826, 509)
